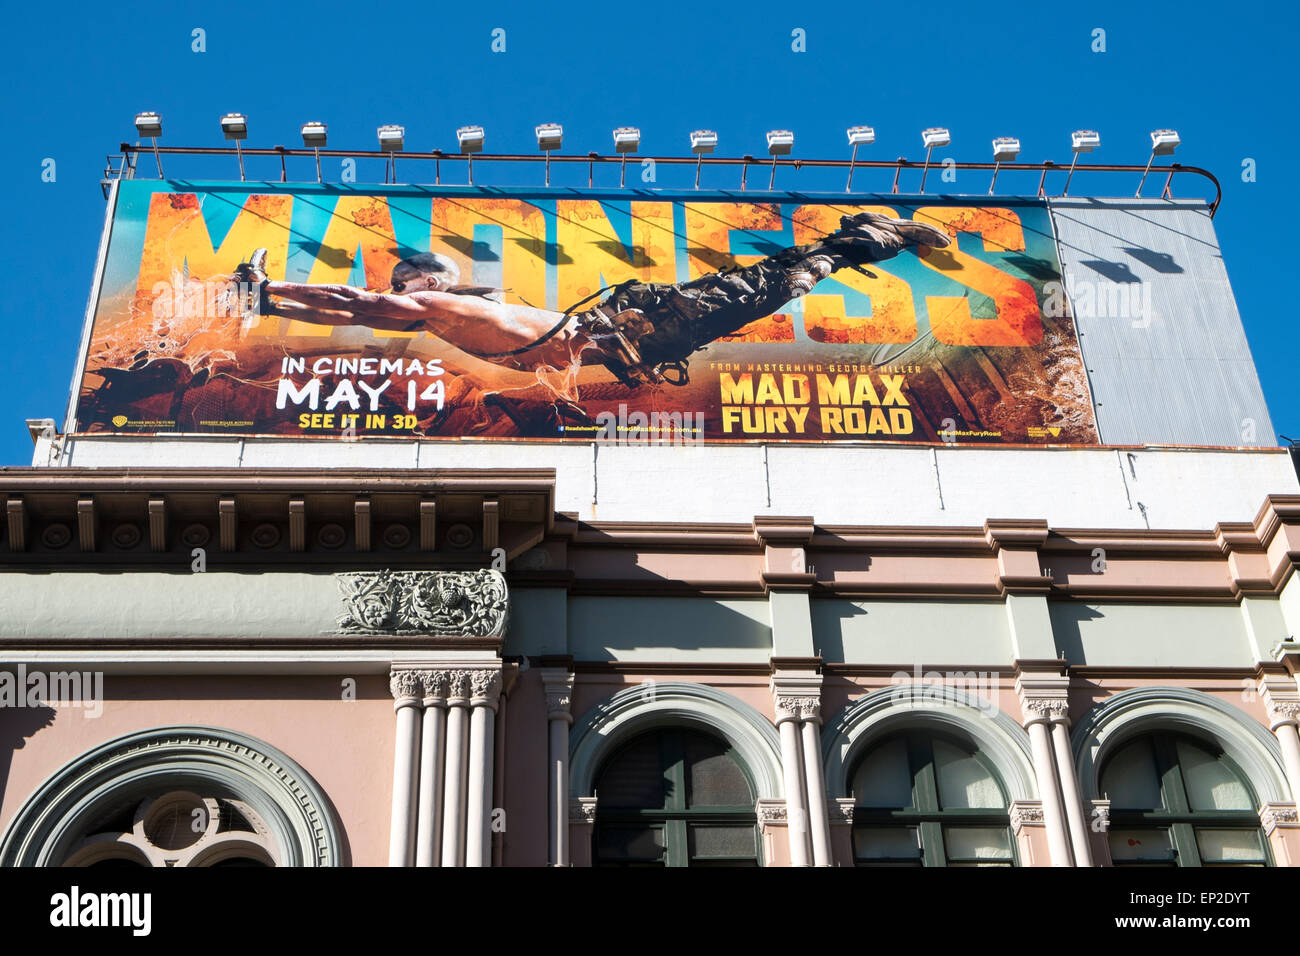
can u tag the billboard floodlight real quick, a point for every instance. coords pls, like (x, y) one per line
(471, 140)
(392, 139)
(702, 141)
(627, 139)
(779, 143)
(150, 125)
(1005, 150)
(235, 126)
(314, 137)
(930, 138)
(550, 136)
(1081, 141)
(1163, 143)
(858, 136)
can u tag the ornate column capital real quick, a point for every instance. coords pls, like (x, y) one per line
(1051, 709)
(1027, 813)
(1281, 700)
(1044, 691)
(1274, 815)
(434, 684)
(582, 810)
(798, 708)
(840, 811)
(796, 690)
(557, 682)
(406, 686)
(771, 812)
(485, 687)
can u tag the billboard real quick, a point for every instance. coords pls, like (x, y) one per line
(458, 312)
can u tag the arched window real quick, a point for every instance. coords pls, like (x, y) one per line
(176, 829)
(675, 797)
(924, 799)
(1175, 801)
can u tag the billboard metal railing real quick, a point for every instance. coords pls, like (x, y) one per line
(125, 166)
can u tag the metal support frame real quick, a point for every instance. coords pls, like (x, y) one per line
(132, 151)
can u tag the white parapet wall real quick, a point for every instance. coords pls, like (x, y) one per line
(1139, 487)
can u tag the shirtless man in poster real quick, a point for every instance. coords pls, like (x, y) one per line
(642, 332)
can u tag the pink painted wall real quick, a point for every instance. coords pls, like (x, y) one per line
(346, 746)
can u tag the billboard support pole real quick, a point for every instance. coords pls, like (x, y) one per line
(699, 162)
(318, 179)
(926, 170)
(284, 173)
(470, 156)
(1066, 190)
(1165, 193)
(848, 188)
(897, 171)
(239, 153)
(157, 158)
(622, 173)
(744, 170)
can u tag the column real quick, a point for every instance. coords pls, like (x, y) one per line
(818, 823)
(432, 757)
(486, 685)
(558, 684)
(787, 722)
(1048, 787)
(1079, 841)
(1283, 713)
(453, 802)
(407, 693)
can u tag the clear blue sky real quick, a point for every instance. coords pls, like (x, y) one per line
(1223, 75)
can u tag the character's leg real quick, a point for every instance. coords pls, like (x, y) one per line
(678, 319)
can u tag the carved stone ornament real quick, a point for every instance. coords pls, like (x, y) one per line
(455, 603)
(1027, 815)
(1282, 711)
(772, 812)
(1053, 708)
(1275, 815)
(797, 708)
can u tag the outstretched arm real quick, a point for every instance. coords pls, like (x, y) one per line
(344, 305)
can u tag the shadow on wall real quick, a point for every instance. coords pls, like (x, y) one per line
(1066, 619)
(601, 627)
(17, 725)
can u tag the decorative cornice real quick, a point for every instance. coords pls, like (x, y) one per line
(439, 603)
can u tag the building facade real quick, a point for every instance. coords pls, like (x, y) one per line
(278, 651)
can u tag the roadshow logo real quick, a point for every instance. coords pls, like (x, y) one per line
(76, 909)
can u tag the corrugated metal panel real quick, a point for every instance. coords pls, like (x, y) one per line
(1166, 352)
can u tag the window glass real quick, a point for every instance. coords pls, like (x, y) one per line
(1130, 781)
(874, 843)
(635, 777)
(883, 778)
(983, 844)
(964, 782)
(716, 780)
(1230, 846)
(1150, 844)
(629, 843)
(1211, 784)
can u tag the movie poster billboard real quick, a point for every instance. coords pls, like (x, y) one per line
(461, 313)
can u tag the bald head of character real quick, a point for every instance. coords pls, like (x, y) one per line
(423, 272)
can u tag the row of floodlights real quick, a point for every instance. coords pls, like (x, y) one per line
(627, 139)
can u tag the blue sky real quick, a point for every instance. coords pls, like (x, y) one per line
(1221, 75)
